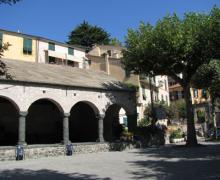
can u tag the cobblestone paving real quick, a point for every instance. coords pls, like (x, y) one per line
(171, 162)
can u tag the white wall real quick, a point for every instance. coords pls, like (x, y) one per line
(61, 51)
(24, 96)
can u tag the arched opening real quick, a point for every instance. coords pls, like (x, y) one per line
(8, 122)
(115, 122)
(83, 123)
(44, 123)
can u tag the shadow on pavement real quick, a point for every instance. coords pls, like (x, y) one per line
(24, 174)
(177, 162)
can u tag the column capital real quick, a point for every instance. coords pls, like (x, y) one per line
(23, 113)
(66, 114)
(100, 116)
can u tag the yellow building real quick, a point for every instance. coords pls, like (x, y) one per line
(22, 47)
(200, 98)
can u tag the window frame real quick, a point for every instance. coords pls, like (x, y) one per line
(70, 51)
(27, 46)
(51, 46)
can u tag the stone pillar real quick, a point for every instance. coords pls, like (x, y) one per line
(22, 127)
(101, 127)
(66, 128)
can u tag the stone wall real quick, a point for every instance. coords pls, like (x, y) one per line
(39, 151)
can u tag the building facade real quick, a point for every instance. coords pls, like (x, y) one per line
(107, 58)
(41, 50)
(200, 98)
(49, 104)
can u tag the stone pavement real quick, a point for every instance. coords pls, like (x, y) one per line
(171, 162)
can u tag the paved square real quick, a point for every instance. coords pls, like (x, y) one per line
(153, 163)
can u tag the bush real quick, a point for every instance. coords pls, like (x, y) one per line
(176, 134)
(144, 122)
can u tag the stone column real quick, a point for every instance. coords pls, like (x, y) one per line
(66, 128)
(101, 127)
(22, 127)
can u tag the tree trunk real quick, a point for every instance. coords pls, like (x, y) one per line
(191, 133)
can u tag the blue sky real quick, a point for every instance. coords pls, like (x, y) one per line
(55, 19)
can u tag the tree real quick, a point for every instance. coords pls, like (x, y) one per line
(87, 35)
(10, 2)
(207, 77)
(4, 46)
(3, 68)
(115, 42)
(175, 46)
(178, 110)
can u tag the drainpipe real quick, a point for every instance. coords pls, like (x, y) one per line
(37, 51)
(107, 63)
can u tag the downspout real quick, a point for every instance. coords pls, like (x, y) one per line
(37, 51)
(107, 63)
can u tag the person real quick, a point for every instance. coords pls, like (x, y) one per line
(19, 153)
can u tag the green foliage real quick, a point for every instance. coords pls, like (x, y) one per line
(3, 69)
(175, 46)
(132, 86)
(115, 42)
(208, 77)
(144, 122)
(178, 110)
(87, 35)
(201, 116)
(176, 134)
(159, 104)
(10, 2)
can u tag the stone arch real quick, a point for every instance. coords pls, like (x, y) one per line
(44, 122)
(114, 122)
(8, 121)
(11, 101)
(83, 122)
(55, 102)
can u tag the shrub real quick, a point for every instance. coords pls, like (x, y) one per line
(176, 134)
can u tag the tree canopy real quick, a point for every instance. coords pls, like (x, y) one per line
(10, 2)
(175, 46)
(208, 77)
(87, 35)
(115, 42)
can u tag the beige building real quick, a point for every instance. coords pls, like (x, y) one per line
(199, 97)
(107, 58)
(24, 47)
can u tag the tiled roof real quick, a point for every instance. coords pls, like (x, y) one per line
(22, 71)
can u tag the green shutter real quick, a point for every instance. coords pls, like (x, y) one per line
(70, 51)
(27, 46)
(51, 46)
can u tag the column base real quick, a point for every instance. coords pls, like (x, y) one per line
(65, 143)
(101, 140)
(22, 143)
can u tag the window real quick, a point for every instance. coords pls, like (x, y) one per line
(1, 40)
(70, 51)
(27, 46)
(70, 63)
(52, 60)
(204, 93)
(195, 93)
(51, 46)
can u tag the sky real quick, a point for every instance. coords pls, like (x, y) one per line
(54, 19)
